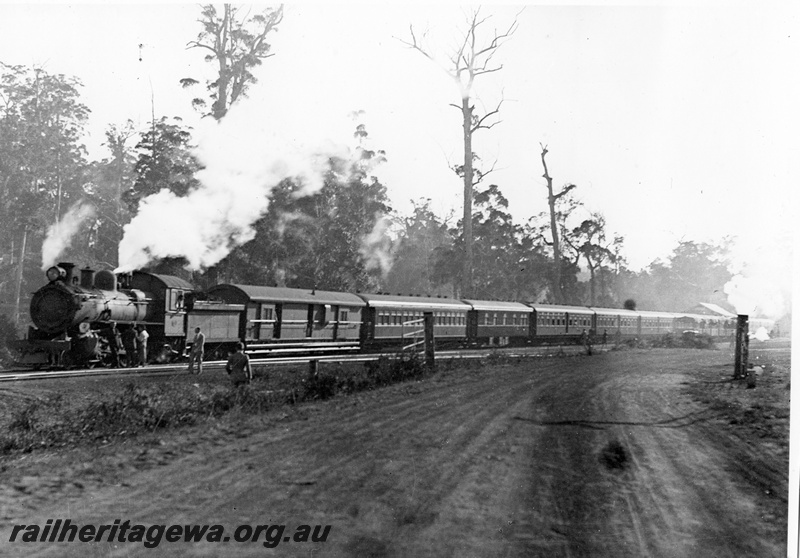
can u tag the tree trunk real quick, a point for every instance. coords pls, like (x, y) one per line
(551, 200)
(20, 268)
(220, 107)
(466, 111)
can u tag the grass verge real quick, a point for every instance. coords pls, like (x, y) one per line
(57, 421)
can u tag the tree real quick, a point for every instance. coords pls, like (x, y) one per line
(236, 39)
(165, 161)
(507, 264)
(316, 241)
(421, 235)
(694, 272)
(42, 165)
(589, 240)
(552, 201)
(110, 179)
(550, 227)
(497, 247)
(466, 62)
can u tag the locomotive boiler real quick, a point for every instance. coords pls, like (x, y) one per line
(66, 302)
(74, 315)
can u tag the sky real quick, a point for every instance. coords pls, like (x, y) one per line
(676, 122)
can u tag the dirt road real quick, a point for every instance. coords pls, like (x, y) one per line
(591, 456)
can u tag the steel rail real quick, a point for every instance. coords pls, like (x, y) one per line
(182, 368)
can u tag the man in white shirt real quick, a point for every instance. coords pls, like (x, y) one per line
(141, 344)
(196, 352)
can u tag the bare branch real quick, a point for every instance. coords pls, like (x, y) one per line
(197, 44)
(415, 44)
(566, 190)
(479, 125)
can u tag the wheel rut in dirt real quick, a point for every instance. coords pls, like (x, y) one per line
(600, 456)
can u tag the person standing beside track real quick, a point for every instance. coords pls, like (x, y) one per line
(141, 345)
(129, 344)
(113, 339)
(238, 367)
(197, 350)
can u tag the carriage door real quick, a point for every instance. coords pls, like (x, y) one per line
(335, 320)
(251, 322)
(256, 332)
(310, 321)
(472, 325)
(276, 328)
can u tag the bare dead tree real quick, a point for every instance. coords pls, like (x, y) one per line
(467, 61)
(551, 200)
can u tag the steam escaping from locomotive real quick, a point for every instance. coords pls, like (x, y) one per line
(244, 156)
(762, 284)
(754, 296)
(60, 234)
(376, 248)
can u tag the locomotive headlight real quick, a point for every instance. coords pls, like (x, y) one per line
(54, 273)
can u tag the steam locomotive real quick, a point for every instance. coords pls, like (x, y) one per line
(75, 316)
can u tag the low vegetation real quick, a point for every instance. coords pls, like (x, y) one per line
(56, 421)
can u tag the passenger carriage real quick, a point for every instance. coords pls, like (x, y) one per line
(560, 323)
(655, 323)
(617, 323)
(389, 319)
(279, 319)
(498, 322)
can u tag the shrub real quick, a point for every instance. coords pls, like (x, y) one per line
(8, 336)
(320, 386)
(138, 409)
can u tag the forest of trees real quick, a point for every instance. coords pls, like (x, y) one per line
(346, 236)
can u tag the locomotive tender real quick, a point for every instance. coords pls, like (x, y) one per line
(74, 317)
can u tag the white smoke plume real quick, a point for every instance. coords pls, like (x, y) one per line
(762, 284)
(376, 247)
(245, 155)
(60, 234)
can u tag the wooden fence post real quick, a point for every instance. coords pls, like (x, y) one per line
(742, 347)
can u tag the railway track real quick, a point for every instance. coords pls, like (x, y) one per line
(17, 375)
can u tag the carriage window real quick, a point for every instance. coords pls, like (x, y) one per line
(344, 315)
(266, 313)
